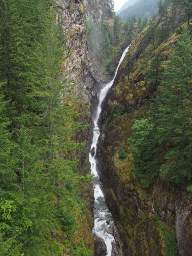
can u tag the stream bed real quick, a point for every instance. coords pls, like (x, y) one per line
(103, 221)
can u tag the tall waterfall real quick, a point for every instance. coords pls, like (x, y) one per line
(103, 221)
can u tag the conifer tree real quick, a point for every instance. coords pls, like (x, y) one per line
(165, 148)
(38, 124)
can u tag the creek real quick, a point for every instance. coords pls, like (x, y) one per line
(103, 221)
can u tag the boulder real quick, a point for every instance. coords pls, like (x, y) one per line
(100, 247)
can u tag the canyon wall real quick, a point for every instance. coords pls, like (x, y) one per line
(153, 221)
(81, 63)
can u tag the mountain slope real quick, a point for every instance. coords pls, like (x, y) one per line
(139, 8)
(143, 143)
(128, 4)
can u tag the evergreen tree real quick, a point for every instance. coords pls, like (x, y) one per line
(166, 146)
(39, 184)
(173, 118)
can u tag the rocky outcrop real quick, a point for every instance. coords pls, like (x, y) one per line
(81, 65)
(71, 16)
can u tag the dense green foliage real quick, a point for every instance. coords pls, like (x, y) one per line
(38, 124)
(161, 143)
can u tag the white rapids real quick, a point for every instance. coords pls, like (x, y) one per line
(103, 221)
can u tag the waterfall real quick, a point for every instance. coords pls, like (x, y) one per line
(103, 221)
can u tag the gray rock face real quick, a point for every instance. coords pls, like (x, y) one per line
(72, 19)
(184, 229)
(81, 64)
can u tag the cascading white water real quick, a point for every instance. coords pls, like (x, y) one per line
(103, 221)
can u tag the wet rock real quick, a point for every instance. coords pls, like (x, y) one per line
(93, 151)
(114, 250)
(100, 247)
(184, 230)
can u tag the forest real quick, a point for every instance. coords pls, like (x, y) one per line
(40, 209)
(161, 140)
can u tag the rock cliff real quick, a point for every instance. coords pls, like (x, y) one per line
(81, 63)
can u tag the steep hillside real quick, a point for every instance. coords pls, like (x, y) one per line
(47, 78)
(140, 8)
(147, 137)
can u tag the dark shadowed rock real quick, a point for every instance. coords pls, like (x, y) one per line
(184, 229)
(100, 247)
(93, 151)
(114, 251)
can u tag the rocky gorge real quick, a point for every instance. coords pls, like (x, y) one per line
(81, 23)
(95, 128)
